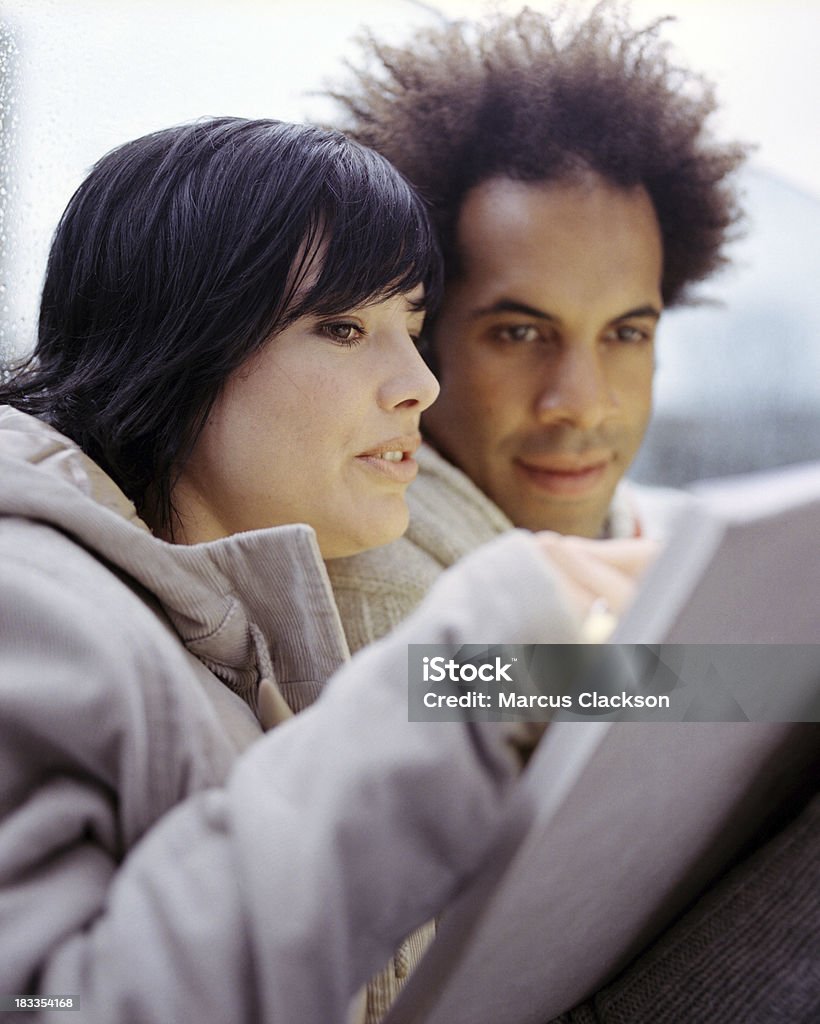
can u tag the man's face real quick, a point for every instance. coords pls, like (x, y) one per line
(545, 347)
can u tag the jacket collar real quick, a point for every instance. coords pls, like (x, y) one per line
(253, 605)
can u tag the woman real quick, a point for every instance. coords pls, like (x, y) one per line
(225, 391)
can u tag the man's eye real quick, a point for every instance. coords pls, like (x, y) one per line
(518, 333)
(343, 333)
(627, 333)
(414, 332)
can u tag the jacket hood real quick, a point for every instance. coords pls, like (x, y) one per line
(250, 606)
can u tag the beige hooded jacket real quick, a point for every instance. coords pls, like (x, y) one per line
(161, 857)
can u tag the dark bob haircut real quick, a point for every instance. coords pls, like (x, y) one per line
(543, 98)
(185, 251)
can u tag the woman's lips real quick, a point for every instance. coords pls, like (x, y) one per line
(393, 459)
(564, 477)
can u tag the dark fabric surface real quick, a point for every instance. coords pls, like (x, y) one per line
(748, 952)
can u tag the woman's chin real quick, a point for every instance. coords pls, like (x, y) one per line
(375, 532)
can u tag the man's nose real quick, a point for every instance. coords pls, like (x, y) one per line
(575, 390)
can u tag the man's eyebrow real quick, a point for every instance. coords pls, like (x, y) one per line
(647, 311)
(641, 311)
(512, 306)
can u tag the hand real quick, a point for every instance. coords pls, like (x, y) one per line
(591, 571)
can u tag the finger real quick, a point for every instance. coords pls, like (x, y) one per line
(595, 576)
(630, 555)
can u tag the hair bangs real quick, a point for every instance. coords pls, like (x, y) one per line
(372, 239)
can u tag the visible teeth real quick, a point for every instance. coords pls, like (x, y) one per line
(393, 456)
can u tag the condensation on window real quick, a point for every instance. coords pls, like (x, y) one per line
(80, 78)
(8, 186)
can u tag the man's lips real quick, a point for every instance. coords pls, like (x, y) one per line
(393, 458)
(564, 475)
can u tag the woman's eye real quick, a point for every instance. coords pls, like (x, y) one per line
(343, 333)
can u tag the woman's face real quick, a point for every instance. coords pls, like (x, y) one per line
(318, 427)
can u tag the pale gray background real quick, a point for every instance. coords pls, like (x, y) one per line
(738, 384)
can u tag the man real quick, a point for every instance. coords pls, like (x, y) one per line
(576, 194)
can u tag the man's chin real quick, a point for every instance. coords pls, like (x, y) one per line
(568, 514)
